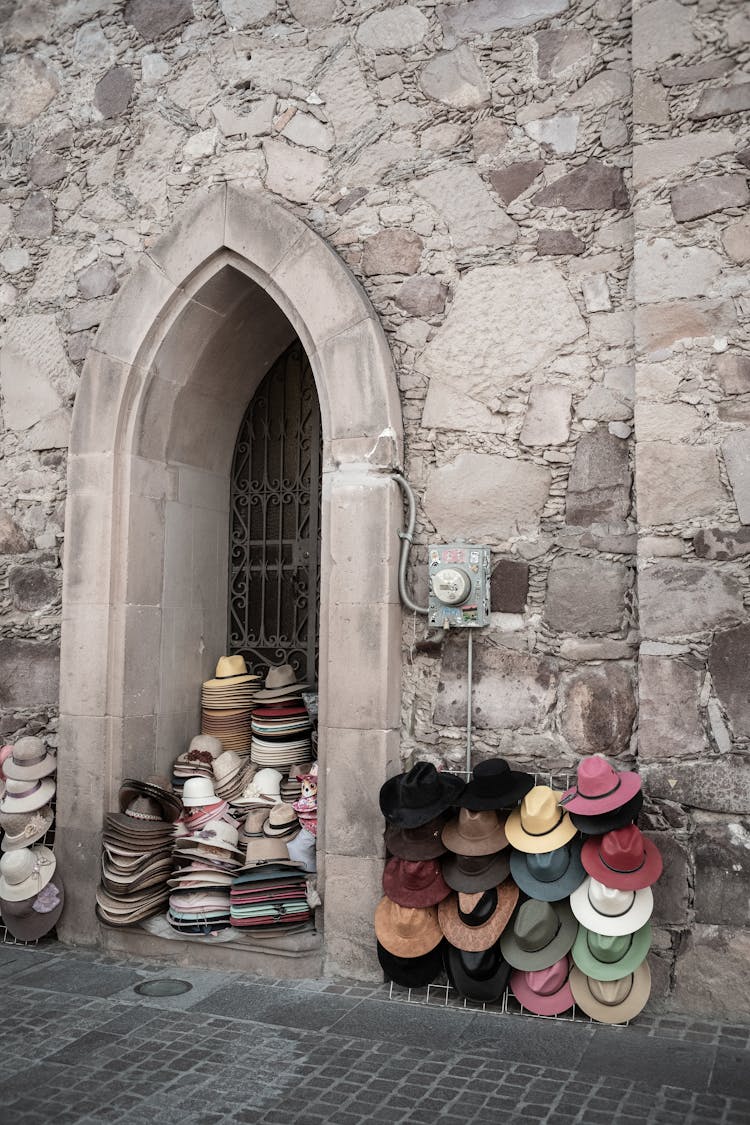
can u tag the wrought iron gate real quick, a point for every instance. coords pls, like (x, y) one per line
(274, 554)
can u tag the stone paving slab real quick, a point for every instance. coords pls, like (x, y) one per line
(238, 1050)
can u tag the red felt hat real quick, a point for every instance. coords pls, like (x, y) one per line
(623, 859)
(414, 883)
(599, 788)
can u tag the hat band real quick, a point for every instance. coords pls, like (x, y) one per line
(142, 815)
(30, 761)
(529, 948)
(20, 793)
(39, 862)
(603, 960)
(622, 870)
(546, 831)
(592, 796)
(620, 999)
(607, 914)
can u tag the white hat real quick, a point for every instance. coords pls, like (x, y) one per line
(199, 791)
(264, 789)
(215, 834)
(608, 911)
(25, 872)
(26, 796)
(29, 761)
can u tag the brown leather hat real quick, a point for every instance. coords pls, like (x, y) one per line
(473, 832)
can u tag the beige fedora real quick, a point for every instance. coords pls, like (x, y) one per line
(30, 760)
(25, 872)
(612, 1001)
(280, 682)
(539, 825)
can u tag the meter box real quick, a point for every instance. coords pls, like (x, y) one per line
(459, 585)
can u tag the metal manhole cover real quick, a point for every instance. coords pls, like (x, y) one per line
(163, 987)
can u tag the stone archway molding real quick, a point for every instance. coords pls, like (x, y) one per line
(111, 629)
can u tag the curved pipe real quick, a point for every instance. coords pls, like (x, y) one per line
(406, 538)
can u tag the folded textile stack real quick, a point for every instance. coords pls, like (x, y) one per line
(269, 893)
(281, 726)
(137, 852)
(227, 704)
(197, 761)
(206, 857)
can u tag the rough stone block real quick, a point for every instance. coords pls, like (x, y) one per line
(489, 139)
(671, 893)
(27, 86)
(365, 637)
(33, 587)
(35, 218)
(12, 539)
(510, 182)
(33, 370)
(664, 270)
(455, 79)
(717, 101)
(557, 242)
(97, 280)
(46, 168)
(391, 251)
(247, 13)
(597, 707)
(676, 483)
(312, 13)
(659, 326)
(679, 597)
(686, 783)
(707, 195)
(594, 186)
(697, 72)
(736, 240)
(711, 974)
(29, 673)
(722, 873)
(585, 595)
(350, 940)
(509, 689)
(599, 480)
(728, 661)
(733, 373)
(722, 543)
(561, 51)
(293, 172)
(736, 450)
(154, 18)
(486, 496)
(113, 91)
(395, 29)
(669, 724)
(371, 537)
(604, 88)
(661, 30)
(469, 18)
(655, 160)
(472, 216)
(509, 586)
(558, 132)
(547, 420)
(423, 296)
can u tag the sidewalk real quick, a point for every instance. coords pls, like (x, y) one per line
(78, 1044)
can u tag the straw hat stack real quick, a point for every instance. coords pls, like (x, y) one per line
(227, 703)
(281, 726)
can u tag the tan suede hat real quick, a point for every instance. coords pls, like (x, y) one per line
(407, 931)
(474, 922)
(475, 833)
(612, 1001)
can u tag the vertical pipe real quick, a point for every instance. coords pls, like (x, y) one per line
(469, 676)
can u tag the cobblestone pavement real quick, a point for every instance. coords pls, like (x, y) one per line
(78, 1044)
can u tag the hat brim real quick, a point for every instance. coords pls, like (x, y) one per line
(45, 768)
(645, 876)
(399, 816)
(591, 966)
(524, 841)
(461, 845)
(34, 801)
(553, 1005)
(628, 785)
(429, 895)
(607, 822)
(507, 798)
(612, 926)
(411, 972)
(554, 890)
(485, 989)
(425, 936)
(562, 942)
(29, 924)
(496, 872)
(475, 939)
(630, 1007)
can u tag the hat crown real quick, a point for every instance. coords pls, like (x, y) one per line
(217, 832)
(265, 849)
(407, 920)
(474, 909)
(608, 950)
(475, 864)
(540, 812)
(28, 751)
(622, 850)
(15, 788)
(206, 743)
(19, 865)
(416, 874)
(280, 676)
(609, 900)
(421, 786)
(225, 764)
(596, 777)
(546, 982)
(477, 825)
(281, 814)
(548, 867)
(536, 925)
(480, 964)
(199, 791)
(228, 666)
(611, 992)
(144, 808)
(491, 777)
(255, 820)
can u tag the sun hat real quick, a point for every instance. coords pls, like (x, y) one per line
(411, 972)
(230, 670)
(546, 992)
(198, 791)
(494, 785)
(203, 748)
(609, 911)
(227, 766)
(541, 934)
(217, 834)
(609, 958)
(475, 921)
(607, 822)
(599, 787)
(282, 820)
(472, 873)
(26, 830)
(27, 796)
(549, 876)
(158, 788)
(263, 789)
(30, 760)
(414, 882)
(411, 799)
(624, 859)
(615, 1001)
(25, 872)
(32, 918)
(407, 931)
(474, 833)
(281, 681)
(540, 825)
(480, 974)
(424, 842)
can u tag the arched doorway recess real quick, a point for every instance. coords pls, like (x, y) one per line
(203, 316)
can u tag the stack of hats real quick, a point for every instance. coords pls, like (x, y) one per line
(32, 895)
(227, 704)
(197, 760)
(269, 893)
(26, 814)
(206, 855)
(232, 774)
(137, 852)
(291, 786)
(281, 726)
(261, 791)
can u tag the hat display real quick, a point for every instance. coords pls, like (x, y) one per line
(541, 934)
(472, 873)
(30, 919)
(25, 872)
(494, 785)
(609, 911)
(480, 975)
(609, 958)
(540, 825)
(549, 876)
(206, 856)
(407, 931)
(599, 787)
(424, 842)
(411, 799)
(414, 882)
(24, 829)
(615, 1001)
(232, 773)
(474, 922)
(607, 822)
(27, 796)
(281, 730)
(411, 972)
(546, 992)
(623, 858)
(474, 833)
(29, 759)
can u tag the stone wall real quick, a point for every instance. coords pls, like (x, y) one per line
(488, 171)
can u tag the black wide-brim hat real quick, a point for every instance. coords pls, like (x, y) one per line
(412, 972)
(481, 976)
(607, 822)
(494, 785)
(424, 842)
(412, 799)
(169, 801)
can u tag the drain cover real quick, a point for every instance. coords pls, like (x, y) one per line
(163, 987)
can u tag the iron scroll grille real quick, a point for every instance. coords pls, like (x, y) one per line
(274, 556)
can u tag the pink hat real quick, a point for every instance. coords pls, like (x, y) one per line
(546, 992)
(5, 753)
(599, 788)
(623, 859)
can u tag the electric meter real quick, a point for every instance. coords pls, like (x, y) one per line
(459, 585)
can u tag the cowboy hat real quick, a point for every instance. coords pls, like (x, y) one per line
(475, 921)
(25, 872)
(30, 760)
(541, 934)
(609, 911)
(549, 876)
(32, 918)
(158, 788)
(472, 873)
(230, 670)
(615, 1001)
(280, 682)
(609, 958)
(423, 842)
(599, 787)
(540, 825)
(413, 882)
(27, 796)
(545, 992)
(607, 822)
(480, 975)
(474, 833)
(407, 931)
(494, 785)
(411, 972)
(411, 799)
(24, 830)
(624, 859)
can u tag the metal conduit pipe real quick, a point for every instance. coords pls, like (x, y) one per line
(406, 538)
